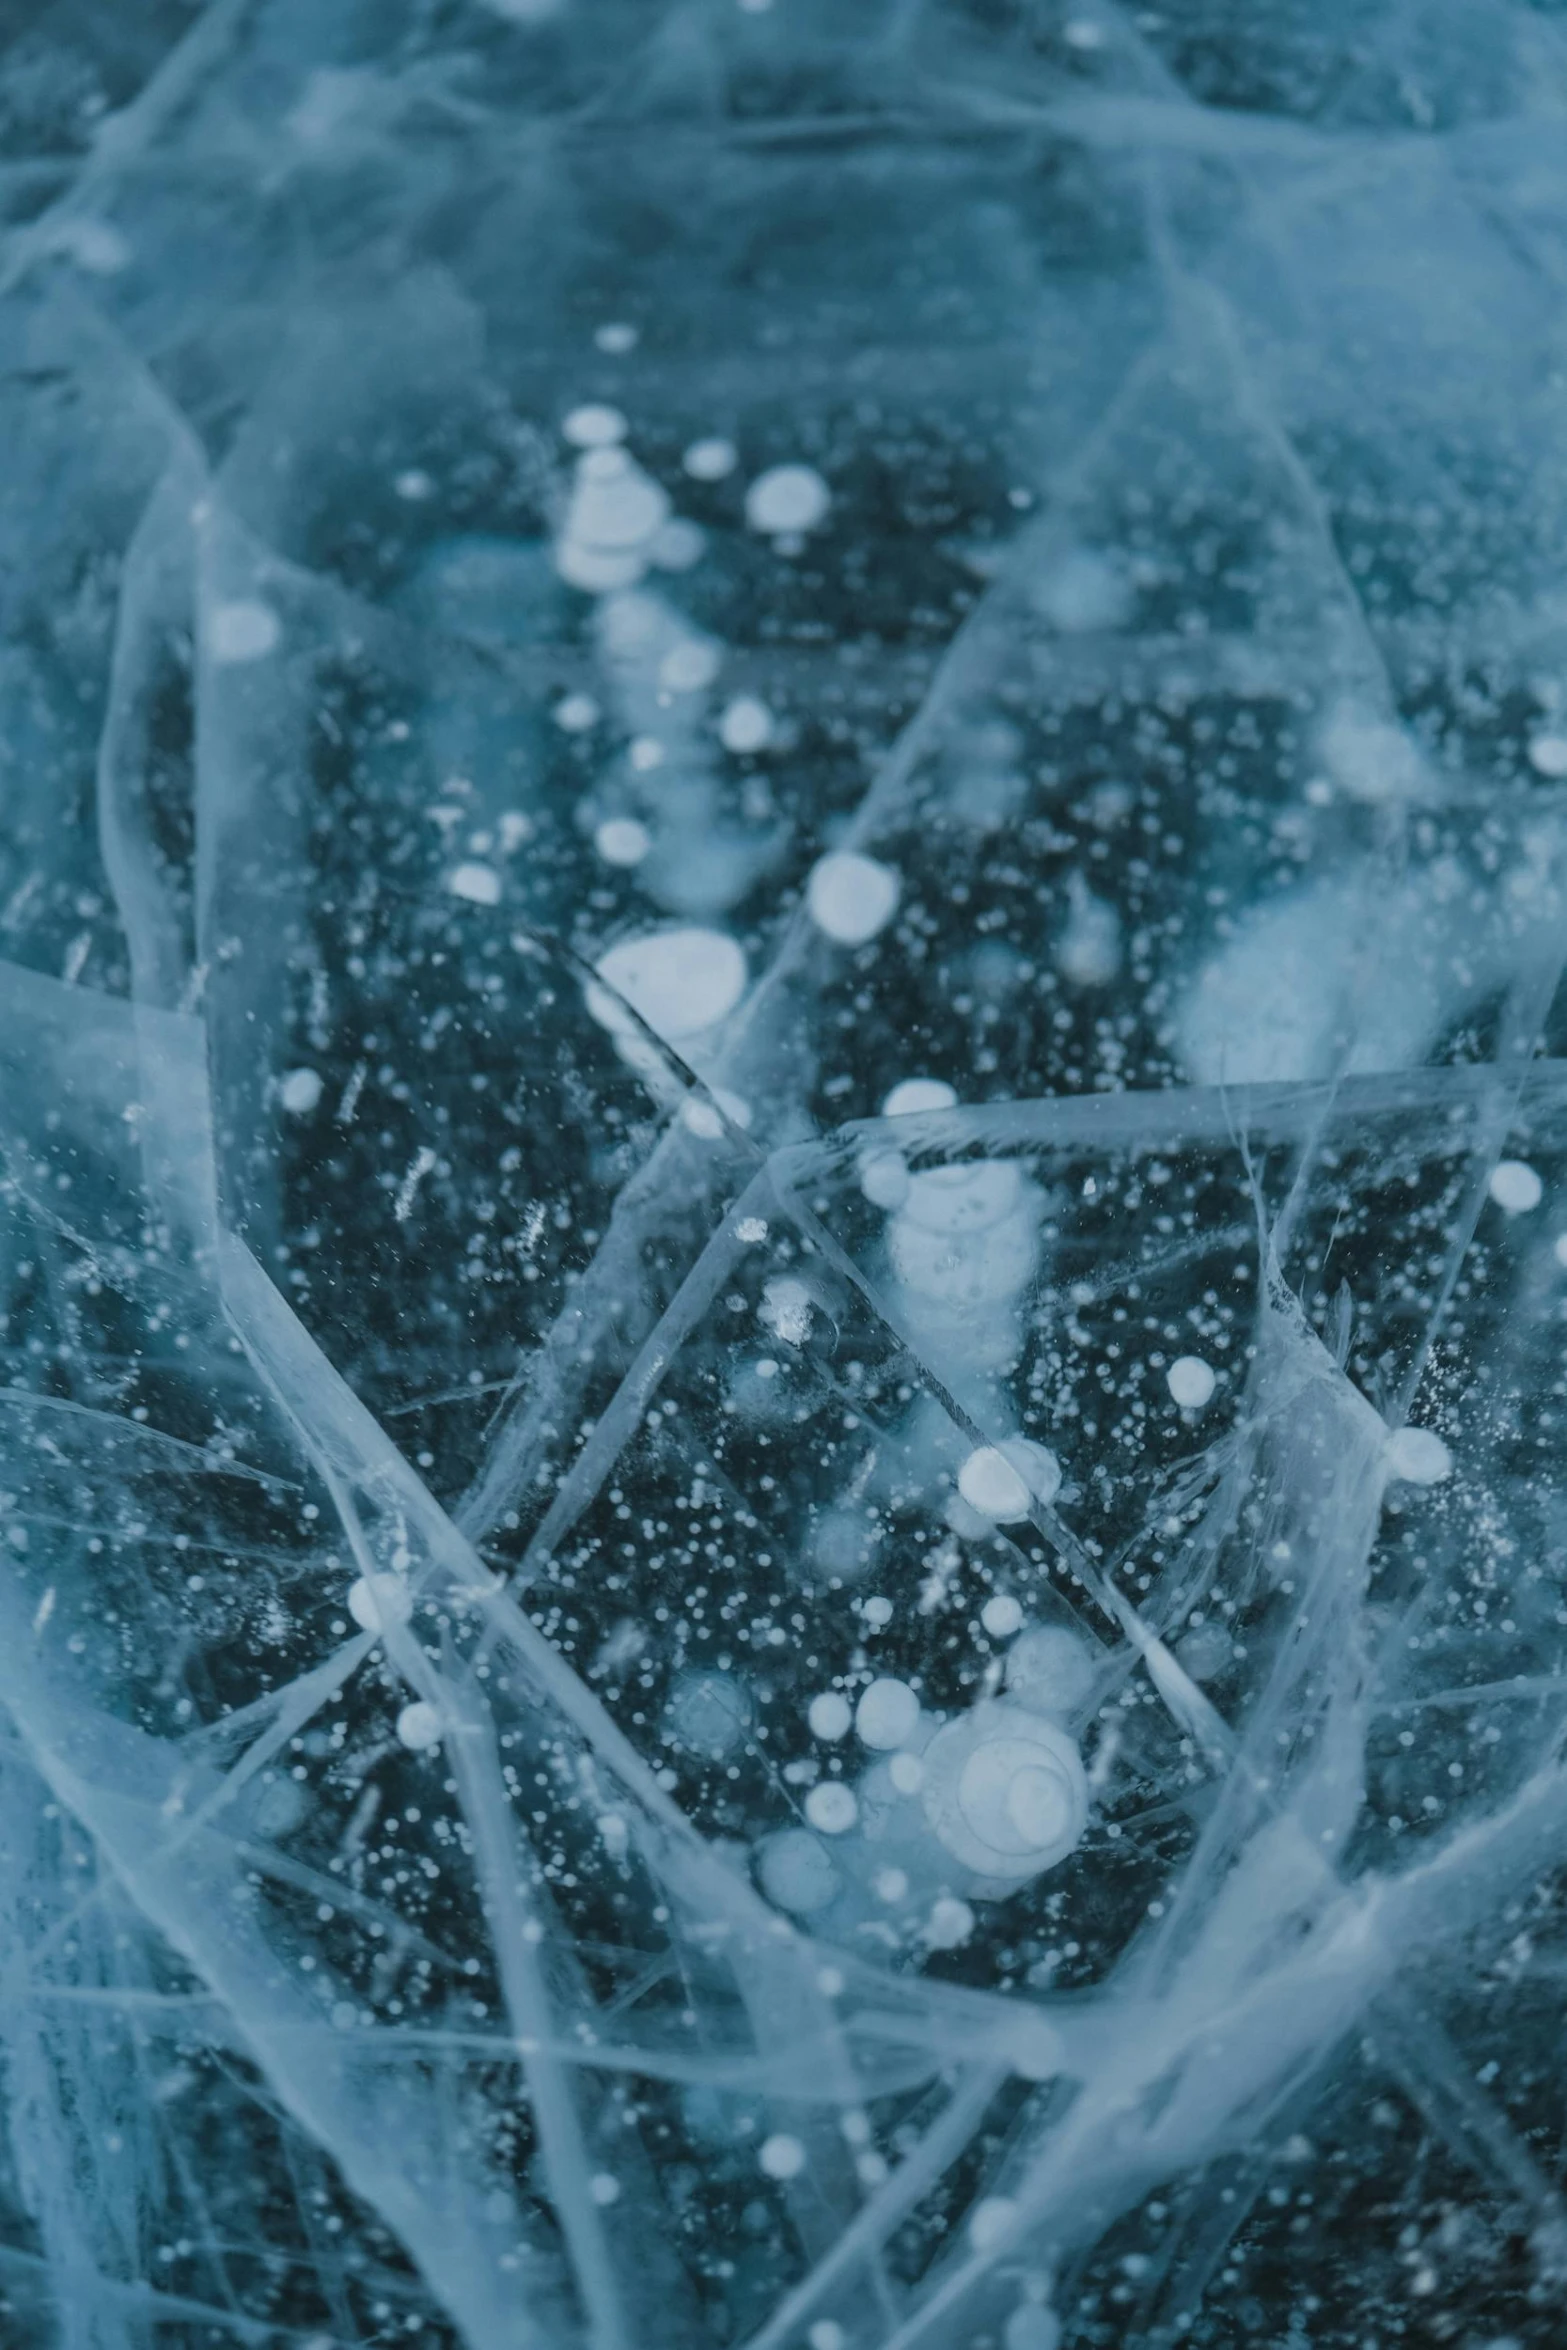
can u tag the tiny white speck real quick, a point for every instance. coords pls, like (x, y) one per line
(616, 337)
(604, 2188)
(1418, 1456)
(419, 1726)
(831, 1808)
(877, 1613)
(781, 2156)
(1001, 1616)
(576, 713)
(829, 1716)
(414, 485)
(751, 1229)
(850, 898)
(787, 498)
(245, 631)
(299, 1092)
(1516, 1187)
(479, 884)
(826, 2334)
(1561, 1248)
(1191, 1382)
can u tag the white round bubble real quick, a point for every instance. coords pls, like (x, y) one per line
(1548, 756)
(1516, 1187)
(615, 504)
(965, 1198)
(850, 898)
(1001, 1616)
(1004, 1790)
(990, 2222)
(796, 1873)
(962, 1273)
(1191, 1382)
(829, 1716)
(615, 513)
(949, 1924)
(709, 1713)
(887, 1715)
(991, 1485)
(884, 1178)
(299, 1092)
(787, 498)
(710, 460)
(1002, 1481)
(1083, 591)
(379, 1603)
(479, 884)
(1418, 1456)
(831, 1808)
(689, 666)
(576, 713)
(677, 545)
(597, 571)
(746, 725)
(918, 1093)
(680, 981)
(1050, 1670)
(621, 840)
(594, 425)
(782, 2157)
(419, 1726)
(246, 630)
(1032, 2326)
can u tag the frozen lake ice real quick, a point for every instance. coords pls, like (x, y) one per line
(783, 1175)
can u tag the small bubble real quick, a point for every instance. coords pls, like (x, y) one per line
(781, 2156)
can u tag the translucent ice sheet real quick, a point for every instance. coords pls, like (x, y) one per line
(783, 1175)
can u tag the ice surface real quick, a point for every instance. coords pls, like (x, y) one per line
(783, 1174)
